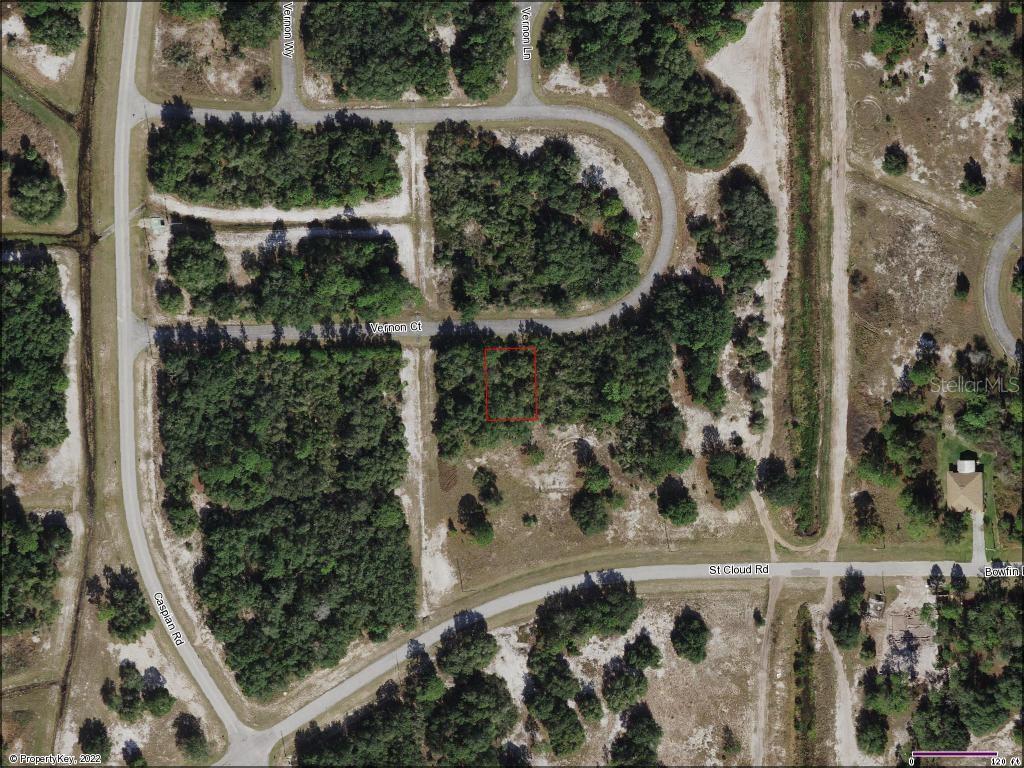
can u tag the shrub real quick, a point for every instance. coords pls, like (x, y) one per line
(974, 182)
(675, 503)
(189, 736)
(690, 635)
(872, 732)
(895, 160)
(641, 652)
(94, 739)
(623, 685)
(962, 287)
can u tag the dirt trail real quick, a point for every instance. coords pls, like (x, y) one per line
(761, 714)
(846, 742)
(840, 297)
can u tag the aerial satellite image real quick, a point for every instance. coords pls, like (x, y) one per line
(511, 383)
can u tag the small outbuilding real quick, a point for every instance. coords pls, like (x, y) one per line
(965, 485)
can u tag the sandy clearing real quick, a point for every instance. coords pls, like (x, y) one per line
(752, 67)
(390, 208)
(413, 495)
(50, 66)
(64, 466)
(510, 662)
(645, 116)
(146, 653)
(565, 79)
(439, 579)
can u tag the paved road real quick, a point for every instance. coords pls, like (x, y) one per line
(1001, 251)
(131, 336)
(255, 749)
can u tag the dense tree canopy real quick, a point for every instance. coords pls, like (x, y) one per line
(379, 49)
(37, 195)
(466, 648)
(244, 23)
(274, 162)
(327, 276)
(304, 545)
(737, 247)
(646, 44)
(470, 719)
(53, 23)
(524, 230)
(31, 549)
(36, 331)
(387, 732)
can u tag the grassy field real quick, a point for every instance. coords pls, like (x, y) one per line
(67, 140)
(108, 71)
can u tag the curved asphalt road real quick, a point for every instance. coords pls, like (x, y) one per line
(993, 269)
(246, 745)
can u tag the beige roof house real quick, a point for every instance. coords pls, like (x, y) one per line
(965, 487)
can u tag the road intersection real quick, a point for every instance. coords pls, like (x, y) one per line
(248, 746)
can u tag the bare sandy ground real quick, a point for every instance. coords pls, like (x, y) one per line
(565, 79)
(752, 67)
(47, 64)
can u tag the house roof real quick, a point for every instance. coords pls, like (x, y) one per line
(965, 491)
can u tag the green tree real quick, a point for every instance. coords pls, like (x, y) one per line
(93, 738)
(872, 732)
(731, 474)
(122, 604)
(690, 635)
(466, 647)
(622, 685)
(641, 652)
(886, 693)
(974, 182)
(37, 196)
(895, 160)
(473, 517)
(486, 482)
(36, 331)
(936, 724)
(675, 503)
(251, 23)
(54, 23)
(589, 705)
(196, 260)
(470, 719)
(192, 10)
(189, 737)
(637, 745)
(894, 33)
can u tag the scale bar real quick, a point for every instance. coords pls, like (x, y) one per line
(951, 753)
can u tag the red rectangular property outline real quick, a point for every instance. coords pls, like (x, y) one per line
(536, 384)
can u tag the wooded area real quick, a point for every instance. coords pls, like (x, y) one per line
(32, 548)
(376, 49)
(646, 44)
(524, 230)
(339, 162)
(36, 333)
(305, 545)
(244, 23)
(327, 276)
